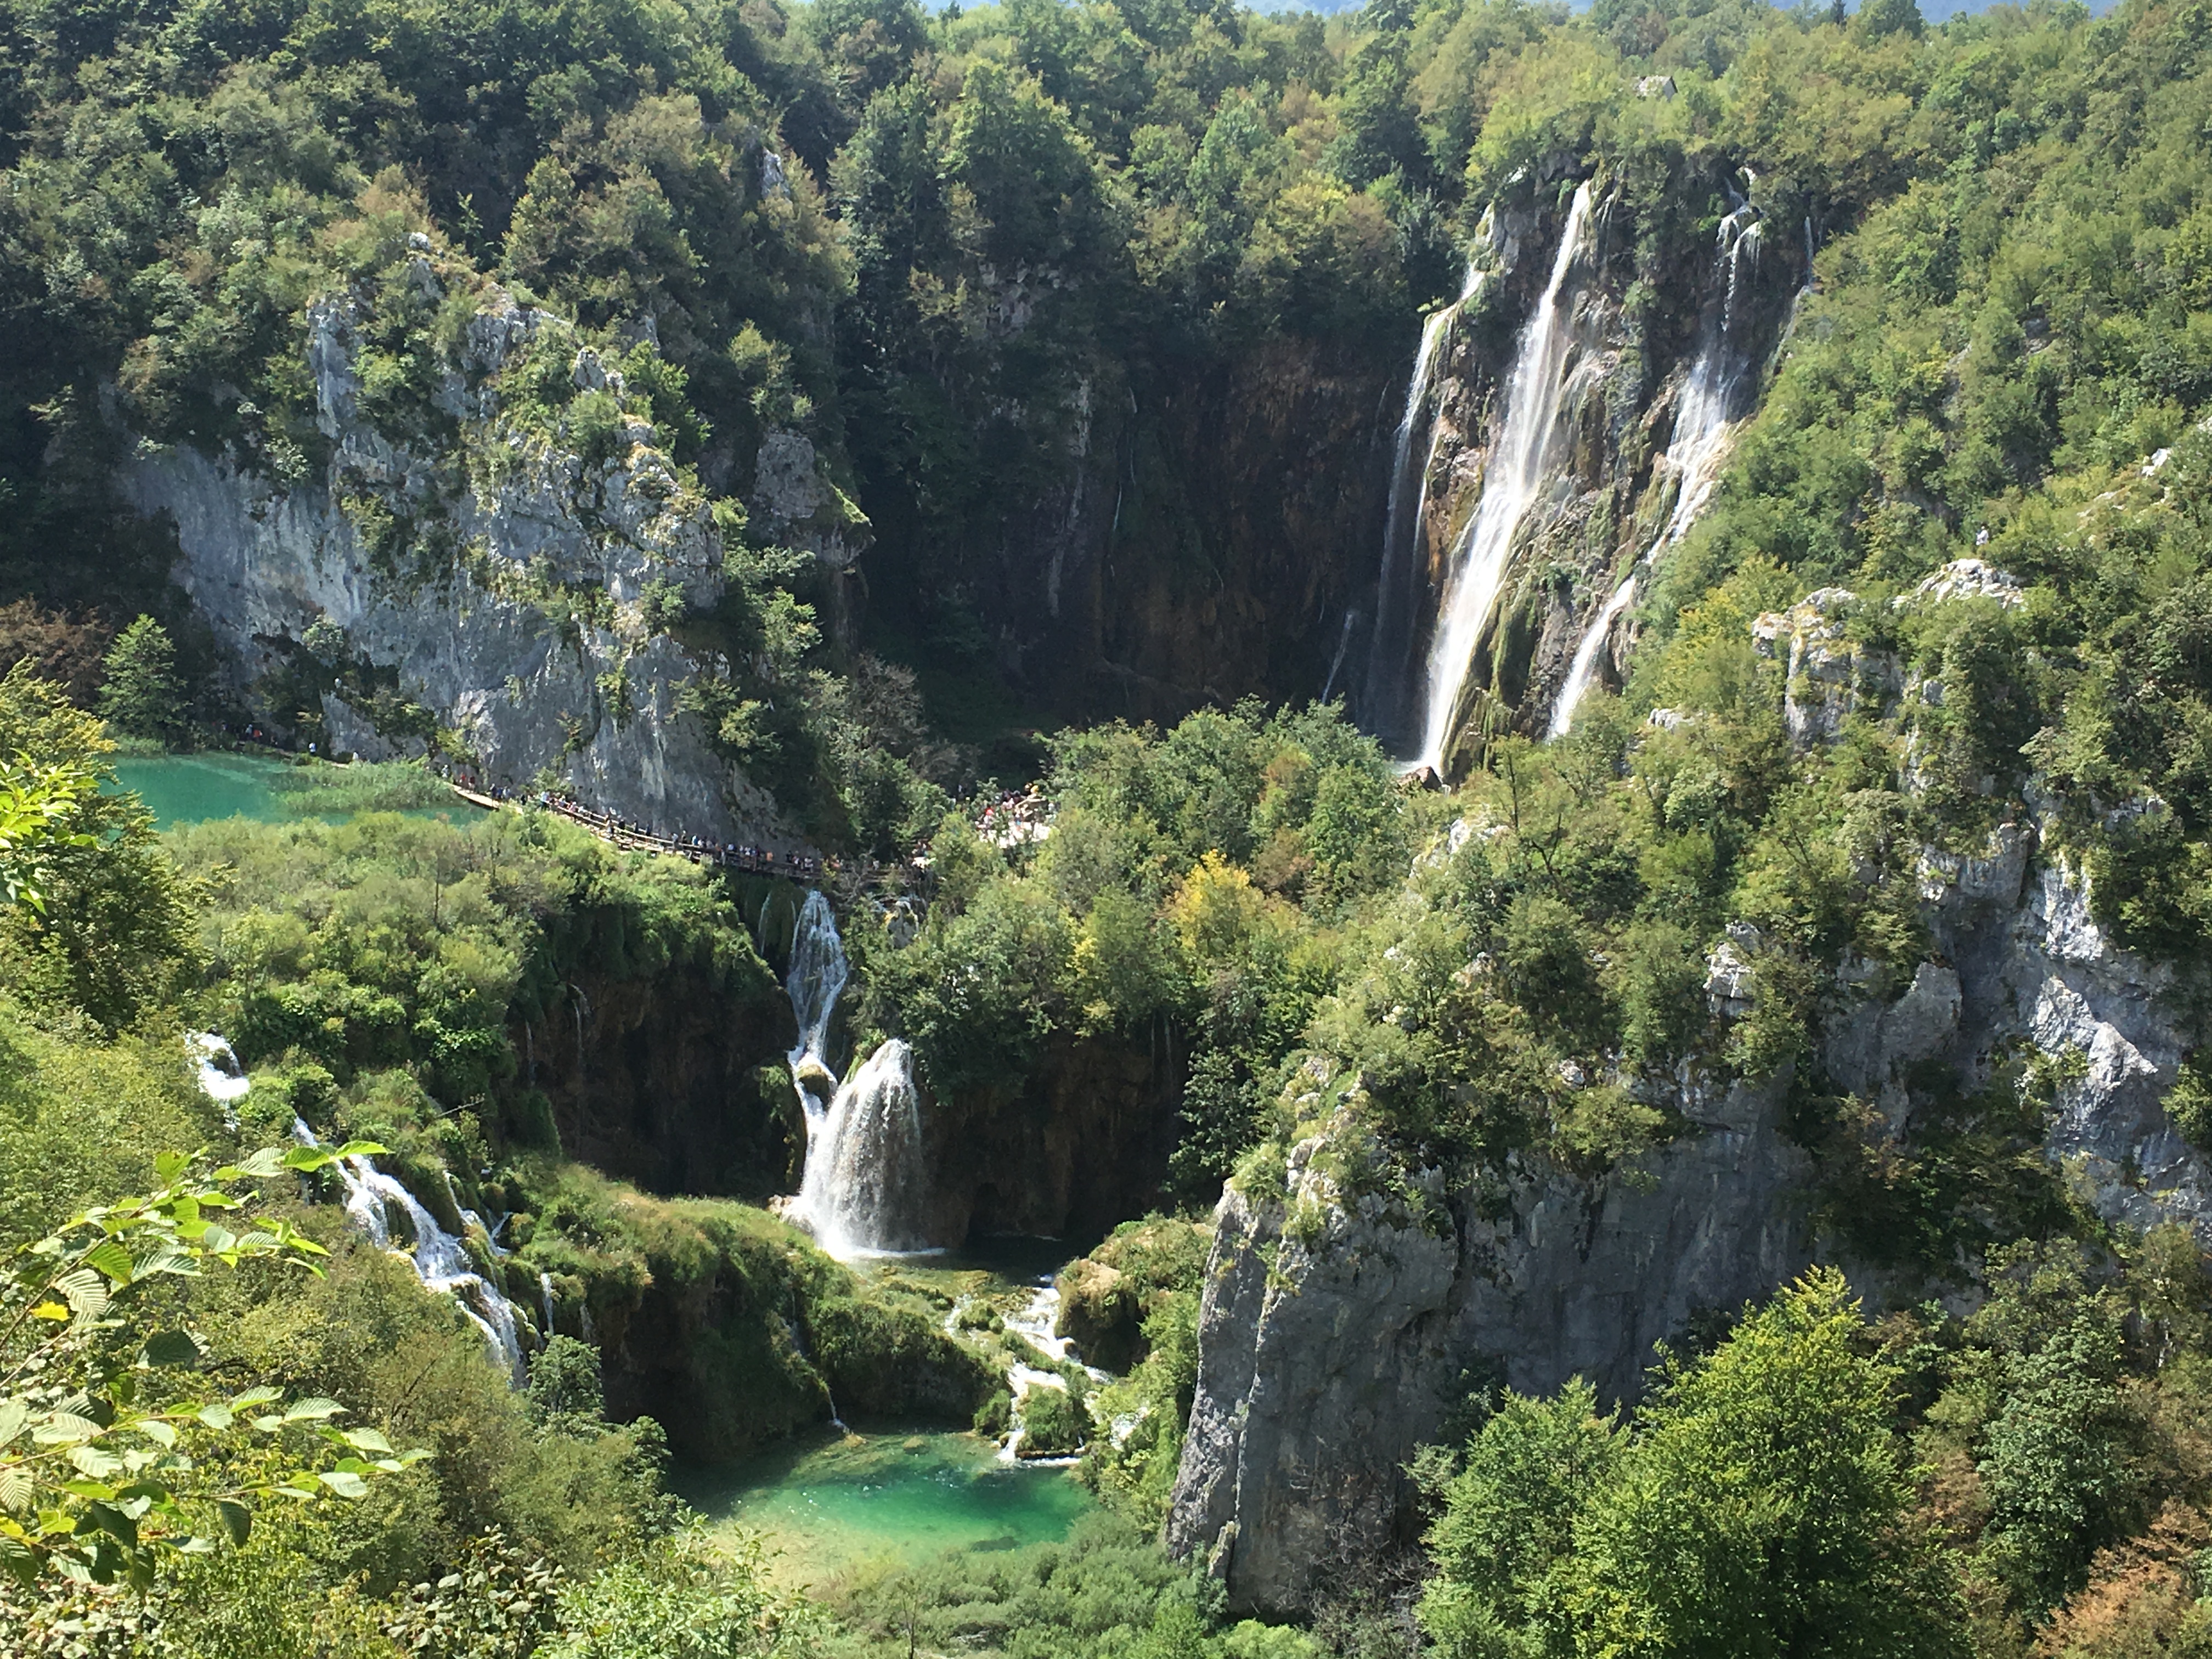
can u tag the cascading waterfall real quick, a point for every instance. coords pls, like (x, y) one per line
(864, 1187)
(865, 1192)
(815, 979)
(441, 1261)
(1704, 418)
(222, 1078)
(1398, 593)
(1520, 459)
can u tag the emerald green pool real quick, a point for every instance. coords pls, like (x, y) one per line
(193, 788)
(196, 788)
(825, 1509)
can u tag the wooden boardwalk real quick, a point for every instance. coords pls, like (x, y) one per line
(753, 860)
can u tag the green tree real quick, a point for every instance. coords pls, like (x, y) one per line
(1763, 1509)
(1508, 1522)
(2057, 1462)
(115, 931)
(36, 803)
(142, 695)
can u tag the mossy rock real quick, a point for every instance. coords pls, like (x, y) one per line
(1101, 1312)
(1105, 1297)
(1053, 1423)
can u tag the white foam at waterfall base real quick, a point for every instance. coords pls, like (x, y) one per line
(440, 1259)
(1522, 458)
(865, 1189)
(1703, 423)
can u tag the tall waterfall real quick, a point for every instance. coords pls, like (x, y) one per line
(866, 1180)
(865, 1192)
(1398, 594)
(1523, 457)
(441, 1261)
(1704, 417)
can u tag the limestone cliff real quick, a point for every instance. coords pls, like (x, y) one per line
(1341, 1324)
(494, 574)
(1181, 540)
(1338, 1330)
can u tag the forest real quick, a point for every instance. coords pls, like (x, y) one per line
(1949, 606)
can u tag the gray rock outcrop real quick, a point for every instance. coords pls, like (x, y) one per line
(512, 605)
(1337, 1329)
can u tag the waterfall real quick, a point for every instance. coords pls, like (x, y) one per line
(1523, 457)
(440, 1259)
(865, 1184)
(1702, 419)
(222, 1078)
(545, 1302)
(1343, 639)
(865, 1192)
(815, 979)
(1398, 590)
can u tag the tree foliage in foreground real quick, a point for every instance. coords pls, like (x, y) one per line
(1760, 1504)
(114, 1455)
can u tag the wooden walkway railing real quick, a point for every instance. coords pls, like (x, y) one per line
(697, 849)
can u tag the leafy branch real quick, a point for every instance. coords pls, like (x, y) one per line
(108, 1461)
(36, 801)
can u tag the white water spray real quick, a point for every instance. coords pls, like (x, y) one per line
(1398, 593)
(222, 1078)
(1343, 639)
(863, 1188)
(1519, 462)
(815, 979)
(1704, 419)
(865, 1192)
(440, 1259)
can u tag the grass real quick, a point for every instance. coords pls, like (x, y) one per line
(363, 787)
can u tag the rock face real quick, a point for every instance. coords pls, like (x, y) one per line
(1193, 544)
(656, 1081)
(1668, 334)
(496, 576)
(1337, 1329)
(1326, 1356)
(1082, 1145)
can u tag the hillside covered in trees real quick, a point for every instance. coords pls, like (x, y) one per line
(1722, 1167)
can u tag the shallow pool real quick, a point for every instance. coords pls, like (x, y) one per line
(197, 788)
(193, 788)
(826, 1507)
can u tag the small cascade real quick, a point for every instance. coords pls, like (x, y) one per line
(1524, 457)
(865, 1189)
(545, 1303)
(1336, 662)
(1036, 1323)
(1704, 418)
(815, 979)
(222, 1078)
(1398, 591)
(441, 1261)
